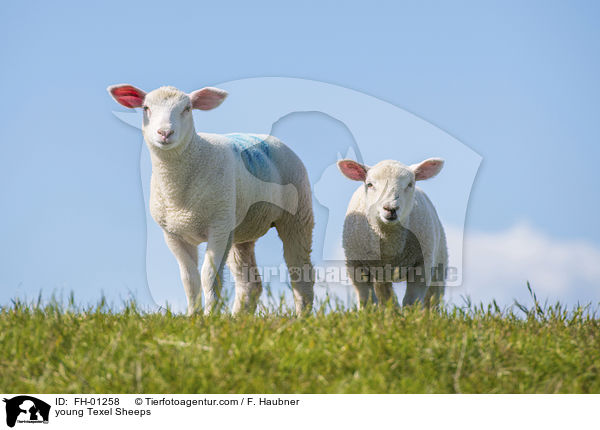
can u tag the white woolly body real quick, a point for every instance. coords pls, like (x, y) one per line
(416, 241)
(207, 183)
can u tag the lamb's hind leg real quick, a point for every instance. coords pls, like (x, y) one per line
(248, 287)
(296, 235)
(435, 293)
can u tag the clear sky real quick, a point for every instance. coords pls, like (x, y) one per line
(515, 81)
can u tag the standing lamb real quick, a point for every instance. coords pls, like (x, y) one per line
(226, 190)
(392, 232)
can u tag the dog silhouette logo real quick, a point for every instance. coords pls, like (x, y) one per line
(26, 409)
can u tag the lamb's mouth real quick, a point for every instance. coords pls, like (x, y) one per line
(164, 145)
(389, 216)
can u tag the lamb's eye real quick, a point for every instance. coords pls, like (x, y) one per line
(410, 185)
(369, 185)
(146, 109)
(187, 109)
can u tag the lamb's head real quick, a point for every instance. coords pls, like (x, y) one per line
(168, 121)
(389, 186)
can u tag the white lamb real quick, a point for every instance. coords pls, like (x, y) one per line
(392, 232)
(226, 190)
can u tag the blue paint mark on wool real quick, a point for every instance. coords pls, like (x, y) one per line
(255, 153)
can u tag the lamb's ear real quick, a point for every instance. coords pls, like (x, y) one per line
(127, 95)
(353, 170)
(207, 98)
(427, 169)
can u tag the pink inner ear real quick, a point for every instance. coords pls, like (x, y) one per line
(428, 169)
(128, 96)
(353, 170)
(207, 98)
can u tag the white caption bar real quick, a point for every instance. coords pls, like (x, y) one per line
(302, 411)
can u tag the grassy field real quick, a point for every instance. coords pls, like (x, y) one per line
(52, 349)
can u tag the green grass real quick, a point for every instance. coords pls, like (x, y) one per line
(52, 348)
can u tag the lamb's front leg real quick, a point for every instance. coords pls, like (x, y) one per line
(416, 286)
(187, 258)
(385, 293)
(217, 248)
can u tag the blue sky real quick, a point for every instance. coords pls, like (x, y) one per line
(515, 81)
